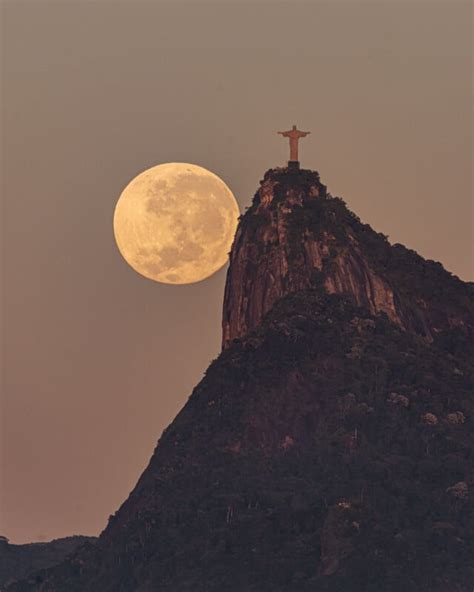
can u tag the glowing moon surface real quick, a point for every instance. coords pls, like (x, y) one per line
(174, 223)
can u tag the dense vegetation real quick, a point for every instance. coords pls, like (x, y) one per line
(327, 451)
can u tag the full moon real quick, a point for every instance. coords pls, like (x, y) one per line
(174, 223)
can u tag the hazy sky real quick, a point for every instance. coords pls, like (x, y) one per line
(98, 360)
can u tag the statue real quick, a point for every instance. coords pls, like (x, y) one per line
(294, 135)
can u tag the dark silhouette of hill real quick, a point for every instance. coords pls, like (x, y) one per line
(22, 560)
(329, 446)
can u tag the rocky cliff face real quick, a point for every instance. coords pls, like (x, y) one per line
(295, 236)
(329, 447)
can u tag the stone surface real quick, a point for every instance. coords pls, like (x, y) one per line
(295, 236)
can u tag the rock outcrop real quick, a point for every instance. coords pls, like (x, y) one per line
(295, 235)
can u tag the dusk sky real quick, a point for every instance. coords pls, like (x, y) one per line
(97, 360)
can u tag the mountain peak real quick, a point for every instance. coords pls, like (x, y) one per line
(280, 183)
(295, 235)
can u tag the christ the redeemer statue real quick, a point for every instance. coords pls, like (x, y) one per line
(294, 134)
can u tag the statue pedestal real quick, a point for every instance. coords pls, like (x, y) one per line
(293, 165)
